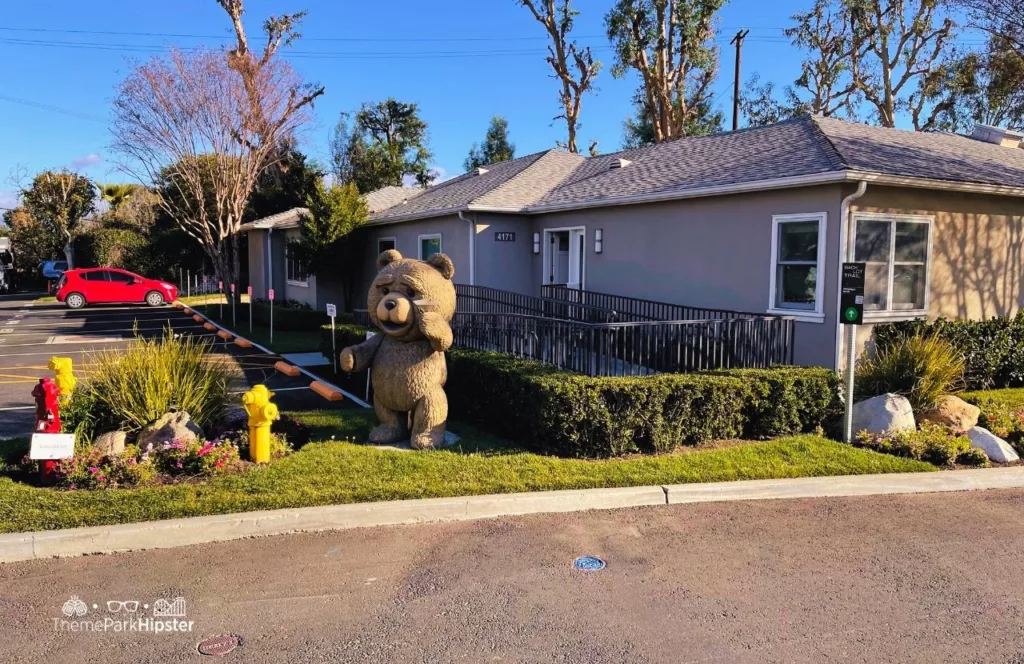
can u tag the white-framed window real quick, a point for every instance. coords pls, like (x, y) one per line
(897, 250)
(797, 280)
(429, 245)
(294, 270)
(386, 243)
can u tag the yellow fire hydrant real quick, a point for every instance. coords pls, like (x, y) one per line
(64, 375)
(261, 413)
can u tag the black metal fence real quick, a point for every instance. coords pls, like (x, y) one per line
(631, 348)
(484, 300)
(635, 309)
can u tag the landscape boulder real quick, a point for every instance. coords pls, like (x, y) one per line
(996, 448)
(886, 412)
(172, 426)
(110, 443)
(953, 412)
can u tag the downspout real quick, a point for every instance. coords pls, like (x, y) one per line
(846, 243)
(472, 246)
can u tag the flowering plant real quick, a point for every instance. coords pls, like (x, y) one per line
(93, 470)
(933, 443)
(192, 456)
(1004, 421)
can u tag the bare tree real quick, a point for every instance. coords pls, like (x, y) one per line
(574, 66)
(903, 42)
(186, 123)
(670, 43)
(281, 31)
(829, 73)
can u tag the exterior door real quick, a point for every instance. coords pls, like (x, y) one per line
(99, 286)
(576, 256)
(122, 287)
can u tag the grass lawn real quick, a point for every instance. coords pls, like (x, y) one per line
(46, 298)
(285, 341)
(335, 472)
(1013, 397)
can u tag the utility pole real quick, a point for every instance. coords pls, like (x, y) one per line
(738, 41)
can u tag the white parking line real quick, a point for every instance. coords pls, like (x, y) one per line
(18, 408)
(37, 333)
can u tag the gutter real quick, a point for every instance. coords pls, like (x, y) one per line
(846, 243)
(472, 246)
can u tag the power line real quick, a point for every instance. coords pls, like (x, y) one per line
(53, 109)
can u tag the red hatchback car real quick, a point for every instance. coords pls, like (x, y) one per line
(105, 285)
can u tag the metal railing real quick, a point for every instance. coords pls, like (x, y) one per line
(631, 348)
(485, 300)
(636, 309)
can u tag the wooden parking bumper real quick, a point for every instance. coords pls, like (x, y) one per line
(327, 392)
(178, 305)
(287, 369)
(223, 334)
(210, 326)
(243, 343)
(197, 318)
(186, 311)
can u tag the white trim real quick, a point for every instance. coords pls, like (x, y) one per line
(429, 236)
(816, 315)
(394, 241)
(889, 314)
(299, 284)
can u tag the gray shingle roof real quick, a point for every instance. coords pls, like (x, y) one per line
(286, 219)
(923, 155)
(382, 199)
(804, 146)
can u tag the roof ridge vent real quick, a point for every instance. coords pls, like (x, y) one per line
(618, 162)
(480, 170)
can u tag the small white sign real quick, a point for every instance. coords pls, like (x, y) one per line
(332, 310)
(270, 295)
(859, 299)
(48, 446)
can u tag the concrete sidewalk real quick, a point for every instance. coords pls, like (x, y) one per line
(198, 530)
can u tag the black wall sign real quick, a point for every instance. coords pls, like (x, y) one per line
(504, 236)
(851, 301)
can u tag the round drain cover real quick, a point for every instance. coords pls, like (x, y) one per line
(219, 646)
(589, 563)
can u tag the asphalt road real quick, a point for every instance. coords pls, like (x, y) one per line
(31, 333)
(916, 578)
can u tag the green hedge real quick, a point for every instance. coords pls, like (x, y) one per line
(346, 334)
(562, 413)
(993, 349)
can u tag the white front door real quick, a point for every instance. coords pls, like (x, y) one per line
(564, 257)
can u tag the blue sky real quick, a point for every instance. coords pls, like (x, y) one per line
(461, 60)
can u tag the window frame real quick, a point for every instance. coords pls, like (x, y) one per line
(289, 262)
(817, 314)
(429, 236)
(889, 314)
(393, 240)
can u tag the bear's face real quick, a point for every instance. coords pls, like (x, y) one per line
(404, 286)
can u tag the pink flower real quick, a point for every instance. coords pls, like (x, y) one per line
(94, 470)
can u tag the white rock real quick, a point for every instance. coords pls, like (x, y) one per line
(172, 426)
(996, 448)
(110, 444)
(886, 412)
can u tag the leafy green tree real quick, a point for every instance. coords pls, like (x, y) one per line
(32, 242)
(386, 143)
(287, 186)
(638, 130)
(59, 200)
(670, 45)
(1001, 19)
(325, 245)
(985, 87)
(117, 193)
(495, 147)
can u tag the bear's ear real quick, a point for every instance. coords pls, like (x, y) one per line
(443, 264)
(387, 258)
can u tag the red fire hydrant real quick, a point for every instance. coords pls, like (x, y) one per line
(47, 418)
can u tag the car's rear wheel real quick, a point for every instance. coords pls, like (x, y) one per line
(75, 301)
(154, 298)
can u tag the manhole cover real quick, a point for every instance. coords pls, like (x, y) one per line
(218, 646)
(589, 563)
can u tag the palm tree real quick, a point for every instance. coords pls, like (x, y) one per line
(116, 193)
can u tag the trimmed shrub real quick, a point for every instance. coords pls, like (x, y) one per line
(920, 368)
(935, 444)
(562, 413)
(993, 349)
(345, 334)
(974, 457)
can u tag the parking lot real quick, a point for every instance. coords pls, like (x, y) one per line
(32, 332)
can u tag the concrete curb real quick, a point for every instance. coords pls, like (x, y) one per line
(204, 529)
(199, 530)
(848, 485)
